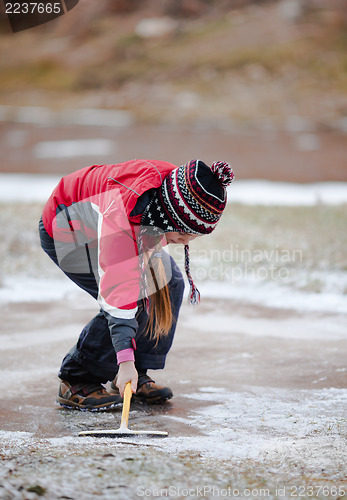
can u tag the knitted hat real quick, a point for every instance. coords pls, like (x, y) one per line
(191, 199)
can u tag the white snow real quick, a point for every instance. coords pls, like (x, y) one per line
(262, 192)
(36, 187)
(26, 187)
(327, 328)
(271, 294)
(17, 289)
(24, 289)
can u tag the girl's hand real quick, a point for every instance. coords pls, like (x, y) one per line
(127, 373)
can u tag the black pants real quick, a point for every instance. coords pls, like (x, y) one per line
(93, 357)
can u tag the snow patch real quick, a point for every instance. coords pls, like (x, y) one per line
(25, 289)
(36, 187)
(262, 192)
(25, 188)
(271, 294)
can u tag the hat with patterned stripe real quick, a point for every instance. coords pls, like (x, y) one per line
(191, 199)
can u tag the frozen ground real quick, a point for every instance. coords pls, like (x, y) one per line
(255, 409)
(258, 372)
(258, 408)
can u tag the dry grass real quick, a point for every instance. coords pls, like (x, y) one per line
(318, 233)
(300, 246)
(307, 243)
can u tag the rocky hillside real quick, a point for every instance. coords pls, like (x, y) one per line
(186, 60)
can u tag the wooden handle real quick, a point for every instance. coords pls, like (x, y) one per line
(126, 406)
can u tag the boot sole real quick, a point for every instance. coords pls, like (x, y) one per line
(75, 406)
(154, 400)
(141, 399)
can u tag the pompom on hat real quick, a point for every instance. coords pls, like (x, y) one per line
(191, 200)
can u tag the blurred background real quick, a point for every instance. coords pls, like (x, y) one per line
(262, 84)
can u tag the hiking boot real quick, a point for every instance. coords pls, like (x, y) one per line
(147, 391)
(84, 396)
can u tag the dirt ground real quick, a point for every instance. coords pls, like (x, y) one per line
(254, 414)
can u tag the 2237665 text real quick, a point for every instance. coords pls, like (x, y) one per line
(33, 8)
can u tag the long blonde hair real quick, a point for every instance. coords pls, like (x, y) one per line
(160, 312)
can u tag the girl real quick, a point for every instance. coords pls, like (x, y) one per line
(105, 226)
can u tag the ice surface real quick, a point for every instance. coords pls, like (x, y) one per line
(258, 422)
(250, 424)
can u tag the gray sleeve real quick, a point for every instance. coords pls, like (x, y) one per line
(122, 331)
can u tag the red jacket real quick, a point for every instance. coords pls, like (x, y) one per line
(89, 216)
